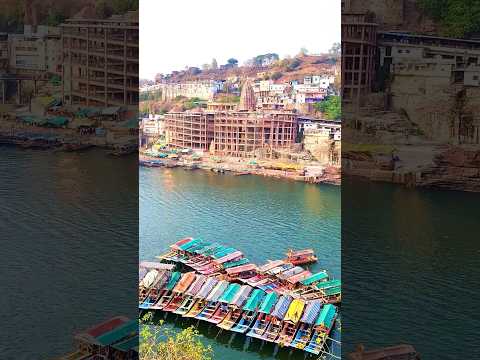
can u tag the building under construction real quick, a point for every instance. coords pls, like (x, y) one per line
(100, 61)
(240, 133)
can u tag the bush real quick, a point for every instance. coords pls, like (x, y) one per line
(331, 107)
(158, 342)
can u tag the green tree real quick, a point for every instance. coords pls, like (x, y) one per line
(232, 61)
(331, 107)
(158, 342)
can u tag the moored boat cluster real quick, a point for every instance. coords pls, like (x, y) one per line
(277, 302)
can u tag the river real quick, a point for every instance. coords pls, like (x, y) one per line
(262, 217)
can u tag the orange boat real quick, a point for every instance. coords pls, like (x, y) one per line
(300, 257)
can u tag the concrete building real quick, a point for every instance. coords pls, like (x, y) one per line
(100, 61)
(204, 90)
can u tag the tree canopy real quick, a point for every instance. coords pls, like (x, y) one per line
(331, 107)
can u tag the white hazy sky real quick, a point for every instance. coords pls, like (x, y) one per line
(177, 33)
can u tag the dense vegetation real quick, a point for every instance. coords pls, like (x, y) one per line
(161, 343)
(457, 18)
(331, 107)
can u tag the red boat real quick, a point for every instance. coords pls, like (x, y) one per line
(300, 257)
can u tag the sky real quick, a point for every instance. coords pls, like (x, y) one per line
(179, 33)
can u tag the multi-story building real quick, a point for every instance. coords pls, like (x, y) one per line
(100, 61)
(204, 90)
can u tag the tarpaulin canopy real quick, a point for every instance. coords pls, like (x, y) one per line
(311, 312)
(327, 315)
(141, 274)
(197, 285)
(223, 252)
(293, 271)
(217, 291)
(207, 288)
(242, 295)
(230, 293)
(232, 256)
(235, 263)
(156, 265)
(336, 290)
(282, 306)
(280, 269)
(270, 265)
(327, 284)
(173, 280)
(239, 269)
(147, 281)
(254, 300)
(268, 303)
(182, 241)
(120, 332)
(208, 249)
(322, 275)
(295, 311)
(189, 244)
(127, 345)
(186, 280)
(296, 278)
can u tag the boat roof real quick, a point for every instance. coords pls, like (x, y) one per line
(229, 294)
(147, 281)
(120, 332)
(129, 344)
(232, 256)
(281, 268)
(270, 265)
(223, 252)
(218, 290)
(299, 277)
(384, 353)
(242, 295)
(141, 274)
(315, 277)
(207, 288)
(311, 312)
(197, 285)
(293, 271)
(186, 280)
(282, 306)
(301, 253)
(232, 264)
(333, 290)
(327, 315)
(189, 244)
(295, 311)
(253, 301)
(156, 265)
(105, 326)
(328, 284)
(173, 280)
(209, 249)
(180, 243)
(161, 279)
(268, 303)
(242, 268)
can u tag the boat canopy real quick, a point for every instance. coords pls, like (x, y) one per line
(322, 275)
(199, 246)
(223, 252)
(282, 306)
(189, 244)
(207, 288)
(235, 263)
(126, 345)
(297, 278)
(218, 291)
(173, 280)
(230, 293)
(161, 279)
(295, 311)
(120, 332)
(141, 274)
(333, 291)
(328, 284)
(280, 269)
(301, 253)
(208, 249)
(268, 303)
(147, 281)
(254, 300)
(156, 265)
(186, 280)
(327, 315)
(270, 265)
(311, 312)
(196, 286)
(180, 243)
(240, 269)
(242, 295)
(234, 255)
(293, 271)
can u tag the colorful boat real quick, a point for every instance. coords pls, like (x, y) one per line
(212, 300)
(323, 327)
(250, 311)
(165, 296)
(226, 300)
(291, 322)
(236, 310)
(278, 314)
(179, 291)
(242, 272)
(190, 299)
(301, 257)
(155, 289)
(201, 298)
(305, 329)
(144, 285)
(263, 319)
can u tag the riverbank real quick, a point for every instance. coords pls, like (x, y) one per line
(310, 173)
